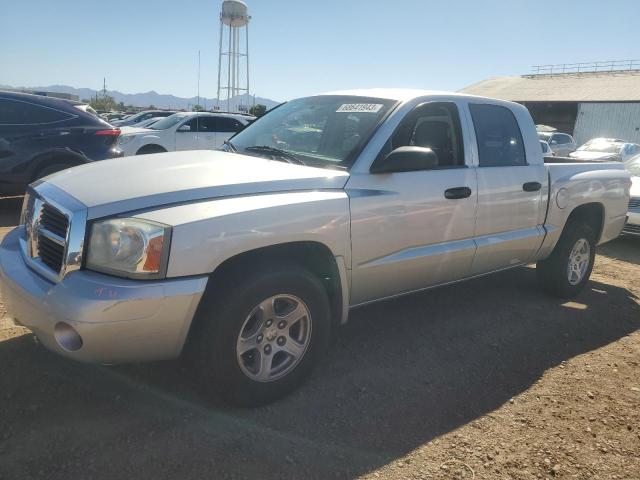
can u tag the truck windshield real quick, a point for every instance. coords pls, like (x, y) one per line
(324, 131)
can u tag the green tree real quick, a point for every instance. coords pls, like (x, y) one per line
(198, 108)
(103, 103)
(258, 110)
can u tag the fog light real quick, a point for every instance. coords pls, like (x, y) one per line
(67, 337)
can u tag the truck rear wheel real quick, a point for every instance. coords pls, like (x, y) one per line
(567, 270)
(259, 339)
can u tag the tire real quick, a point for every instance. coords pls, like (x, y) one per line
(50, 169)
(148, 149)
(553, 273)
(231, 321)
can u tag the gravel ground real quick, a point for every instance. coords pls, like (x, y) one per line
(486, 379)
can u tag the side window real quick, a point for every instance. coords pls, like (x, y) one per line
(193, 124)
(436, 126)
(226, 124)
(207, 124)
(17, 112)
(498, 135)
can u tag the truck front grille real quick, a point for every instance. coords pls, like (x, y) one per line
(634, 203)
(51, 253)
(54, 221)
(632, 229)
(47, 232)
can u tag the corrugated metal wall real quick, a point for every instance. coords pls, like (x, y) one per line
(614, 120)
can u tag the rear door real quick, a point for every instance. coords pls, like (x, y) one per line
(411, 230)
(510, 187)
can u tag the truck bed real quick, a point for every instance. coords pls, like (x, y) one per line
(554, 159)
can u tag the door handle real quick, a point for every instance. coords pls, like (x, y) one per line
(531, 186)
(457, 193)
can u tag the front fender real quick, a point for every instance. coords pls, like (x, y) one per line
(205, 234)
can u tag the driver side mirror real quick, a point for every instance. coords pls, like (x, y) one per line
(184, 128)
(406, 159)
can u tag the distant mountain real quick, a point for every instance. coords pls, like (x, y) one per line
(156, 99)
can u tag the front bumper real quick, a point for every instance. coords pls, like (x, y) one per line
(118, 320)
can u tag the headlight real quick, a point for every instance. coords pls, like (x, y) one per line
(124, 139)
(129, 247)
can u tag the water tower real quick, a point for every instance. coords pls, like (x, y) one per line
(233, 60)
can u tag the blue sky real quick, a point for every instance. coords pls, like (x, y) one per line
(304, 47)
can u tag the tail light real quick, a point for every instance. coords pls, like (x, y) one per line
(111, 132)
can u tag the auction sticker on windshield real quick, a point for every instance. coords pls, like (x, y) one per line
(359, 108)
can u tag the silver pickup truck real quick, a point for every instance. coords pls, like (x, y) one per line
(249, 258)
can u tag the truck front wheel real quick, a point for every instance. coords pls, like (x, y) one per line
(567, 270)
(260, 337)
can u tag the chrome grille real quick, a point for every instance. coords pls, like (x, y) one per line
(54, 221)
(632, 229)
(51, 253)
(634, 203)
(47, 232)
(54, 225)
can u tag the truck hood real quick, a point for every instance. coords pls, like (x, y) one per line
(593, 156)
(135, 183)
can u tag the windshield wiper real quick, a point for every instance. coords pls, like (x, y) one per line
(283, 154)
(231, 146)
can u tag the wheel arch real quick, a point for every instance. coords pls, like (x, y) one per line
(593, 214)
(67, 156)
(152, 148)
(314, 256)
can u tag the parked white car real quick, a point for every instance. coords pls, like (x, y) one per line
(148, 122)
(606, 149)
(182, 131)
(633, 222)
(136, 118)
(561, 144)
(250, 258)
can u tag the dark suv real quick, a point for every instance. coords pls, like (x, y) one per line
(42, 135)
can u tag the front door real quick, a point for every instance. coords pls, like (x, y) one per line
(207, 132)
(509, 224)
(411, 230)
(187, 135)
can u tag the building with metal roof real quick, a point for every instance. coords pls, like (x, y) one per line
(600, 99)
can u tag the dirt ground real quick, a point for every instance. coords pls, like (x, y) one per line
(488, 379)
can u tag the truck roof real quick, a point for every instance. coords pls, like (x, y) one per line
(399, 94)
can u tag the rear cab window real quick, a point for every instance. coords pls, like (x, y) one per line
(498, 135)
